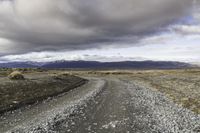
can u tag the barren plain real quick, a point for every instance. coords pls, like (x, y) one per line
(115, 101)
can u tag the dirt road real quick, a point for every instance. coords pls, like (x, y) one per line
(104, 105)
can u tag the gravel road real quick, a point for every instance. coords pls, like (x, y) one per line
(104, 105)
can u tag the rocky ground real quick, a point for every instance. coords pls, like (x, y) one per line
(105, 104)
(33, 88)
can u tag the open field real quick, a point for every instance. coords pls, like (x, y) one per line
(35, 87)
(113, 101)
(181, 85)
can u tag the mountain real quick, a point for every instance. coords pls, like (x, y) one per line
(99, 65)
(125, 64)
(17, 65)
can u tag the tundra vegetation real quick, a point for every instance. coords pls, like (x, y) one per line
(180, 85)
(16, 75)
(17, 91)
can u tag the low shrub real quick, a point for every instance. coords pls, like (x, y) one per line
(16, 75)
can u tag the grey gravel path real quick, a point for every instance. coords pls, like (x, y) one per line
(110, 106)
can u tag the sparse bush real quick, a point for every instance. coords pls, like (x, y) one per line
(16, 75)
(61, 76)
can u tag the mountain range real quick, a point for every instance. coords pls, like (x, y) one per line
(99, 65)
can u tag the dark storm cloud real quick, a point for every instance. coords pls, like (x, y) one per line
(36, 25)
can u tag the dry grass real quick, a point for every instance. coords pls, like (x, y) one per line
(36, 87)
(5, 71)
(182, 86)
(16, 75)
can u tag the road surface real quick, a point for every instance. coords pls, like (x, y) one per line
(103, 105)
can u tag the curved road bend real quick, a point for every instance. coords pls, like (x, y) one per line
(104, 106)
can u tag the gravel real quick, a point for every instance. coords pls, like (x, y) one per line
(169, 116)
(46, 121)
(114, 106)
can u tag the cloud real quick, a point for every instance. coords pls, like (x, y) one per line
(37, 25)
(192, 22)
(165, 47)
(50, 56)
(188, 29)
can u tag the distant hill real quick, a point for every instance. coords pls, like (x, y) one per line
(99, 65)
(17, 65)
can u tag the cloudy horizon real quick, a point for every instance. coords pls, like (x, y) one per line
(95, 30)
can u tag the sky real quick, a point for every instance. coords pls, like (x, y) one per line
(96, 30)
